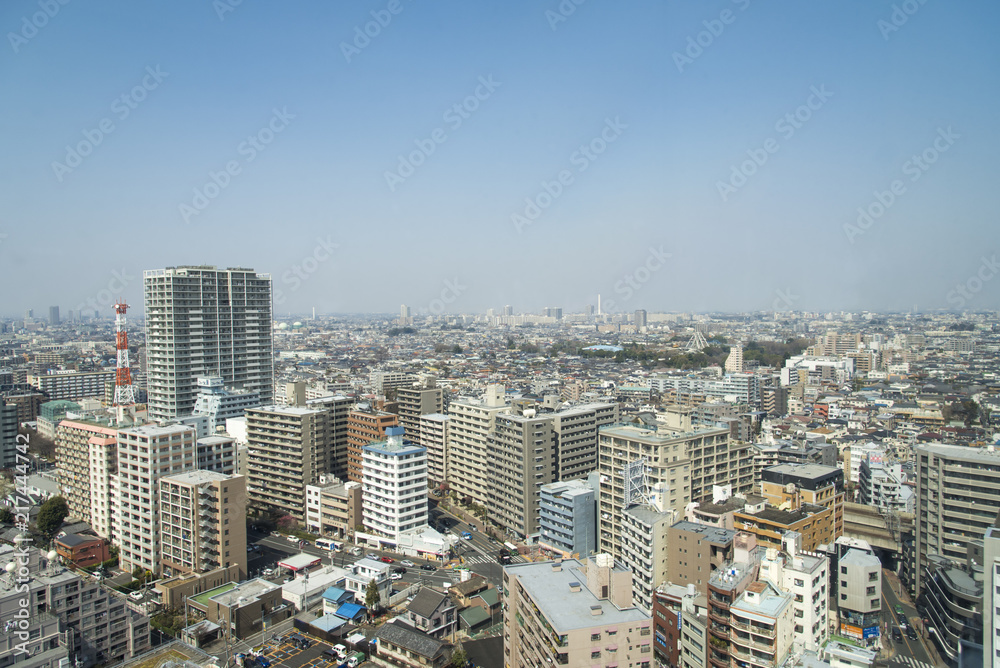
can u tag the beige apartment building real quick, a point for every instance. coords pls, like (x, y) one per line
(80, 445)
(203, 523)
(333, 507)
(572, 613)
(468, 435)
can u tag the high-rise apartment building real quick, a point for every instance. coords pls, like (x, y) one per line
(734, 363)
(958, 493)
(365, 425)
(394, 486)
(805, 575)
(72, 385)
(86, 457)
(203, 523)
(567, 517)
(991, 596)
(421, 398)
(8, 435)
(685, 463)
(520, 459)
(204, 321)
(576, 429)
(53, 315)
(434, 437)
(288, 447)
(468, 433)
(145, 454)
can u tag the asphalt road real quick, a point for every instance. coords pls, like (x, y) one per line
(912, 648)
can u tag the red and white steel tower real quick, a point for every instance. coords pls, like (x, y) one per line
(124, 393)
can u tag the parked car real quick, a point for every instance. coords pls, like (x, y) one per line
(292, 539)
(135, 595)
(249, 548)
(407, 562)
(276, 534)
(355, 660)
(388, 560)
(264, 662)
(357, 551)
(395, 576)
(341, 651)
(429, 567)
(372, 555)
(268, 572)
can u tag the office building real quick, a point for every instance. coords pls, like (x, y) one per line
(288, 447)
(468, 433)
(573, 613)
(145, 454)
(73, 385)
(434, 437)
(204, 321)
(567, 517)
(576, 429)
(50, 414)
(333, 507)
(220, 403)
(687, 463)
(794, 485)
(203, 523)
(394, 486)
(414, 401)
(53, 315)
(680, 626)
(73, 620)
(958, 493)
(520, 458)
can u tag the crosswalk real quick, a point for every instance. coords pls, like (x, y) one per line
(908, 662)
(480, 559)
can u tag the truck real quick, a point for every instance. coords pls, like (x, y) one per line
(356, 660)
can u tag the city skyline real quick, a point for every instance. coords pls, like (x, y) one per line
(731, 157)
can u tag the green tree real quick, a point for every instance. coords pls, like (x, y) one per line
(459, 658)
(372, 597)
(51, 515)
(6, 517)
(456, 349)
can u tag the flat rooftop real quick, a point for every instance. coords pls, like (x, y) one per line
(248, 591)
(197, 477)
(566, 610)
(707, 532)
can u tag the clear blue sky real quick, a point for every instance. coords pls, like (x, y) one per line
(553, 85)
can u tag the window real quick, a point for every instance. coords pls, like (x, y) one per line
(843, 597)
(870, 591)
(595, 637)
(799, 583)
(843, 570)
(875, 603)
(873, 576)
(843, 583)
(596, 654)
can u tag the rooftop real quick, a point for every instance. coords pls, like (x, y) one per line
(707, 532)
(198, 477)
(566, 610)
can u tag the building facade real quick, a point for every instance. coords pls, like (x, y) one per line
(204, 321)
(394, 486)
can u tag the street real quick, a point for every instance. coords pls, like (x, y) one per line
(914, 649)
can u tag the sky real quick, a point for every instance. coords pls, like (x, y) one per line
(730, 155)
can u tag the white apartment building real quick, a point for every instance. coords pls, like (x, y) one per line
(145, 454)
(644, 550)
(468, 434)
(991, 597)
(855, 454)
(434, 437)
(381, 381)
(103, 457)
(394, 486)
(805, 576)
(220, 403)
(72, 385)
(204, 321)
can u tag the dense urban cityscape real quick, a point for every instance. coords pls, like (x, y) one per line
(769, 489)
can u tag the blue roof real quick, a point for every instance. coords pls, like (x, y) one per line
(350, 610)
(334, 594)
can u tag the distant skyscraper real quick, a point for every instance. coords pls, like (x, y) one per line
(508, 310)
(404, 311)
(589, 310)
(640, 318)
(203, 321)
(29, 314)
(53, 315)
(599, 305)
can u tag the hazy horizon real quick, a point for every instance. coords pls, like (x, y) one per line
(736, 156)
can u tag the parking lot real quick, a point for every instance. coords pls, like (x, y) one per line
(285, 653)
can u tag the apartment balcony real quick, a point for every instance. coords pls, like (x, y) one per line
(766, 631)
